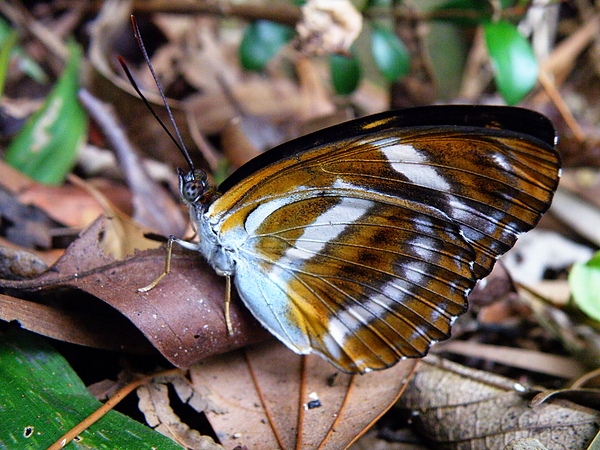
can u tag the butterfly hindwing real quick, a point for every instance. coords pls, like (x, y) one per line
(365, 282)
(364, 249)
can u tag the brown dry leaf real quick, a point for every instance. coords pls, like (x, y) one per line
(67, 204)
(98, 329)
(183, 317)
(121, 235)
(269, 397)
(525, 444)
(196, 50)
(496, 287)
(458, 408)
(16, 263)
(154, 403)
(530, 360)
(25, 225)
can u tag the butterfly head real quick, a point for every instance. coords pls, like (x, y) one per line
(195, 188)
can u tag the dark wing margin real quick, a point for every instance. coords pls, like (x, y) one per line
(517, 120)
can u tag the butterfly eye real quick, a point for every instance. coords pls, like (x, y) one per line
(193, 186)
(192, 190)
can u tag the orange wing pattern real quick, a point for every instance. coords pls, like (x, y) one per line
(364, 249)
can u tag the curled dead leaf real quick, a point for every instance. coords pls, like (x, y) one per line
(183, 317)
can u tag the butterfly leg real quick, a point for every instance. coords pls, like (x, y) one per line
(167, 268)
(227, 303)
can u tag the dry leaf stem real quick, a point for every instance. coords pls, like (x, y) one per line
(105, 408)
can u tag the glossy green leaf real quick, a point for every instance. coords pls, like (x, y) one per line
(46, 147)
(261, 41)
(515, 66)
(390, 54)
(345, 73)
(584, 281)
(42, 398)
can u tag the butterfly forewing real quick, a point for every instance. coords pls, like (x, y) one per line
(364, 249)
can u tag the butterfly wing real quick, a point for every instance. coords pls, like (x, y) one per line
(365, 248)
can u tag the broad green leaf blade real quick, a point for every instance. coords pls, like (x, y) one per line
(345, 73)
(390, 54)
(515, 65)
(42, 398)
(584, 281)
(261, 41)
(46, 147)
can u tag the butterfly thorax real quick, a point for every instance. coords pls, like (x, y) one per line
(197, 193)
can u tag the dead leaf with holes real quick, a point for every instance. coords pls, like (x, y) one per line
(266, 396)
(458, 407)
(154, 403)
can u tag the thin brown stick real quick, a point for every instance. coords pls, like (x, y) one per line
(101, 412)
(301, 397)
(563, 109)
(263, 401)
(339, 415)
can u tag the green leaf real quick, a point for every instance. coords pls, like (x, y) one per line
(345, 73)
(468, 13)
(584, 280)
(515, 65)
(7, 44)
(390, 54)
(46, 147)
(377, 4)
(261, 41)
(42, 398)
(26, 64)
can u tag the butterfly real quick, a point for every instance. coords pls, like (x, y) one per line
(361, 242)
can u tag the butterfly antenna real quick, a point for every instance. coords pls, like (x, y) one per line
(177, 141)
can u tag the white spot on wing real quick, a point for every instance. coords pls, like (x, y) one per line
(406, 160)
(502, 162)
(257, 217)
(345, 212)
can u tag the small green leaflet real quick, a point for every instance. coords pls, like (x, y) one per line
(46, 148)
(515, 66)
(584, 281)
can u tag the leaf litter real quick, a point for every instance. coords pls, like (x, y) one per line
(183, 319)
